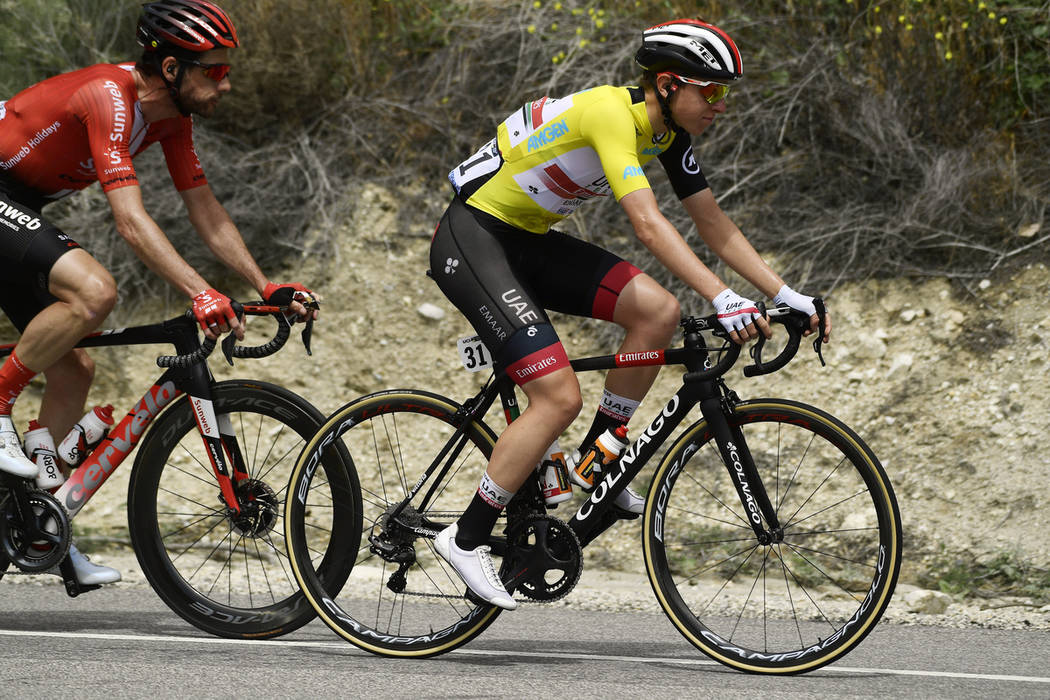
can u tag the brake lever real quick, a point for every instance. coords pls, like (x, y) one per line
(231, 338)
(307, 332)
(822, 320)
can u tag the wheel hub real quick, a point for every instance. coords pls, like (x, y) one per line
(259, 508)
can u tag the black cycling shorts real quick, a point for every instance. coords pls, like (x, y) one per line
(503, 279)
(29, 247)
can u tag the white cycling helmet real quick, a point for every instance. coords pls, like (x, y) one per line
(692, 49)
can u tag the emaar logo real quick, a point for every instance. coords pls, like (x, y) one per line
(632, 171)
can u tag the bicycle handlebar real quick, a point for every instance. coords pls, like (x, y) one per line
(229, 347)
(794, 321)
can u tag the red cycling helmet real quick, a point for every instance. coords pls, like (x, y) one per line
(188, 25)
(690, 48)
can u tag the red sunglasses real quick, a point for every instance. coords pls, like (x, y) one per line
(215, 71)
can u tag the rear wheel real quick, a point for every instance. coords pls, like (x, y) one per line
(792, 605)
(401, 599)
(228, 573)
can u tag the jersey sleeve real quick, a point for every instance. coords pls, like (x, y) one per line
(682, 169)
(607, 126)
(183, 164)
(105, 109)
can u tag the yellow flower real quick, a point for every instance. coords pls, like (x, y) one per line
(947, 55)
(878, 9)
(938, 36)
(981, 5)
(554, 26)
(991, 15)
(909, 26)
(1002, 20)
(599, 23)
(878, 30)
(537, 4)
(902, 19)
(531, 29)
(965, 25)
(584, 42)
(557, 6)
(579, 30)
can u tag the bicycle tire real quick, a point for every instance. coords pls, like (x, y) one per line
(789, 607)
(392, 436)
(217, 574)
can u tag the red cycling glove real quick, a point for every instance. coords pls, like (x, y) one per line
(212, 309)
(285, 293)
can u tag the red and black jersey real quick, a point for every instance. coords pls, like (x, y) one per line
(66, 132)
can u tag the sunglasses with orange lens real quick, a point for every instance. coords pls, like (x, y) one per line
(215, 71)
(713, 92)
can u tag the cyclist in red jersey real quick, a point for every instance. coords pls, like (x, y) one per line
(496, 257)
(66, 132)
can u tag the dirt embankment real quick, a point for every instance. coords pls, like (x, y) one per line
(948, 388)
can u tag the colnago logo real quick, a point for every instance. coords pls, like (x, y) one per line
(11, 215)
(536, 366)
(745, 488)
(627, 459)
(117, 446)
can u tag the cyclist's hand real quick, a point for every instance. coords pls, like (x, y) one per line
(800, 302)
(215, 314)
(295, 296)
(739, 317)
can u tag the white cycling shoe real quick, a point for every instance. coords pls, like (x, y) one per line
(475, 567)
(88, 574)
(630, 501)
(12, 459)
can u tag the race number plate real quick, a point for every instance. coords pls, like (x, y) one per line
(473, 354)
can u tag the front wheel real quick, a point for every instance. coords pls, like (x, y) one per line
(803, 600)
(401, 599)
(223, 572)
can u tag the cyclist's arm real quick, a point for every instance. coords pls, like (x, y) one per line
(727, 241)
(149, 243)
(217, 230)
(665, 243)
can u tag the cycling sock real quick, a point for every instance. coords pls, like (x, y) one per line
(613, 411)
(479, 518)
(14, 376)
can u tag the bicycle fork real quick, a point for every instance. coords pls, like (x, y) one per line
(761, 514)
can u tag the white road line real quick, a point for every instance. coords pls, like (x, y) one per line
(511, 654)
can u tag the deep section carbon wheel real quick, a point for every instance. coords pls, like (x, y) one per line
(807, 597)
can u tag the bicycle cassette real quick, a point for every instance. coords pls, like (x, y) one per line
(544, 558)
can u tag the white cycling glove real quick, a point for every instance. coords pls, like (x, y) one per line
(734, 311)
(799, 302)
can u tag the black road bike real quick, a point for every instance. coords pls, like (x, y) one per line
(206, 493)
(771, 535)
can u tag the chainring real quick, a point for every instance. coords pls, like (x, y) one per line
(544, 558)
(42, 554)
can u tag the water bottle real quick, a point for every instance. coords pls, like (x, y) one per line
(554, 476)
(40, 447)
(607, 448)
(86, 434)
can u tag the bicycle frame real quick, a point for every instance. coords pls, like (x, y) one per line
(195, 379)
(593, 516)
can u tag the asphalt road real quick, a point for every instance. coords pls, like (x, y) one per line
(124, 643)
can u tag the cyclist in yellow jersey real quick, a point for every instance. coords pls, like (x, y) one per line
(496, 257)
